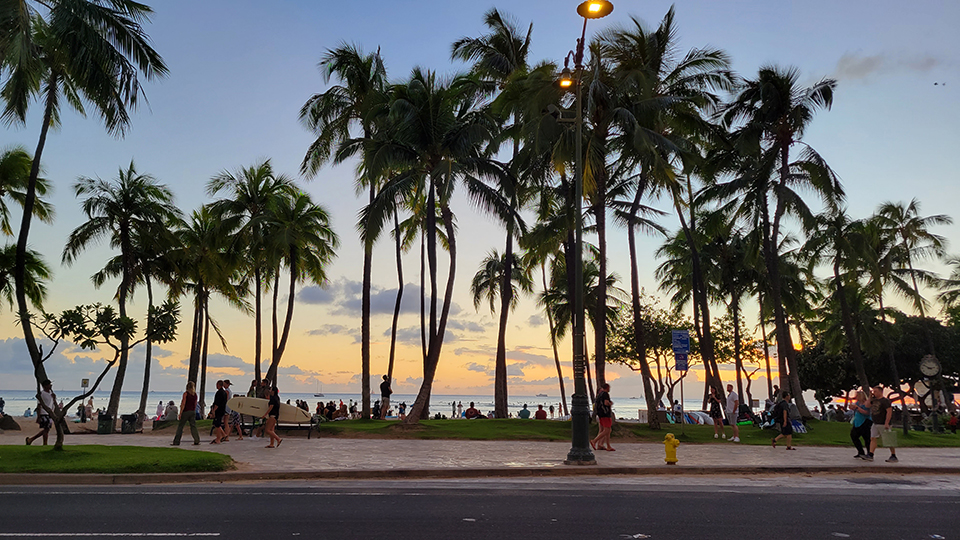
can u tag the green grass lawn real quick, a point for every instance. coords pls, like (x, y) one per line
(819, 433)
(109, 460)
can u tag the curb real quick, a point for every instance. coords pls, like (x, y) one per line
(9, 479)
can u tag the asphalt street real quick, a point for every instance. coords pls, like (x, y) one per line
(828, 506)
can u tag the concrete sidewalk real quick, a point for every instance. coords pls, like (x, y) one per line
(333, 458)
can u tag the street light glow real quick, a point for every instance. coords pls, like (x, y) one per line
(595, 9)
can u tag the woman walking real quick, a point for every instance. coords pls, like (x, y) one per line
(273, 414)
(861, 424)
(716, 413)
(188, 408)
(604, 409)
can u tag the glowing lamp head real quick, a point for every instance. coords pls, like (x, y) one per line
(595, 9)
(566, 78)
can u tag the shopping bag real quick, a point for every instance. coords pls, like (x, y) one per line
(888, 438)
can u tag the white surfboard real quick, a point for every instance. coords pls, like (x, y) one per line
(258, 407)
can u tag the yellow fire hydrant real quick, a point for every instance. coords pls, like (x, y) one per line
(670, 444)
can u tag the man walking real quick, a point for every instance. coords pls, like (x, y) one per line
(881, 412)
(733, 411)
(231, 417)
(385, 392)
(218, 410)
(43, 417)
(781, 415)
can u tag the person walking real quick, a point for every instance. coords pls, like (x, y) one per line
(188, 413)
(385, 392)
(733, 412)
(861, 424)
(781, 415)
(551, 412)
(881, 412)
(218, 411)
(48, 398)
(272, 416)
(231, 417)
(604, 409)
(716, 414)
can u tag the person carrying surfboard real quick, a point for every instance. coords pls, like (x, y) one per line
(273, 414)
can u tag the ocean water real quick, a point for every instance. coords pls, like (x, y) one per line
(17, 401)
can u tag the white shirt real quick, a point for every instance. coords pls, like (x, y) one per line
(48, 400)
(226, 409)
(732, 399)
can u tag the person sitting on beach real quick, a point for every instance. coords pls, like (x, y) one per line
(471, 412)
(524, 412)
(540, 414)
(27, 413)
(170, 413)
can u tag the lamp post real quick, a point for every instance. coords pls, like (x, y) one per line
(580, 453)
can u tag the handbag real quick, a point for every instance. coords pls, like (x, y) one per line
(888, 438)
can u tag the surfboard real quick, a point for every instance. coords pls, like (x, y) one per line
(258, 407)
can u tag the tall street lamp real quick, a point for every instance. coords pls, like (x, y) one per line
(580, 453)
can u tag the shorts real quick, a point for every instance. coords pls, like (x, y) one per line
(605, 421)
(218, 421)
(44, 421)
(786, 429)
(876, 430)
(234, 418)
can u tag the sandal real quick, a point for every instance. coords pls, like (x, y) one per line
(773, 442)
(592, 445)
(608, 449)
(271, 446)
(791, 448)
(279, 443)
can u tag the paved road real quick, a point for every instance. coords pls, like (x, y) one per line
(828, 506)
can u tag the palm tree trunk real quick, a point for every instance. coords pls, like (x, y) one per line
(423, 298)
(553, 343)
(421, 406)
(737, 348)
(113, 406)
(141, 412)
(288, 319)
(506, 298)
(203, 354)
(600, 332)
(20, 264)
(586, 371)
(258, 314)
(772, 258)
(638, 333)
(766, 348)
(396, 306)
(196, 337)
(365, 321)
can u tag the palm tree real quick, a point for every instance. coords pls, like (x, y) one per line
(151, 264)
(132, 206)
(299, 232)
(358, 102)
(206, 261)
(662, 99)
(834, 237)
(771, 114)
(15, 164)
(436, 142)
(501, 56)
(37, 274)
(252, 193)
(915, 241)
(75, 51)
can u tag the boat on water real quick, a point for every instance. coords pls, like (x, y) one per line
(319, 390)
(542, 395)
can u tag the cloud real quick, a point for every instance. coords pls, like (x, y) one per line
(535, 321)
(332, 329)
(473, 366)
(315, 295)
(467, 326)
(514, 370)
(857, 67)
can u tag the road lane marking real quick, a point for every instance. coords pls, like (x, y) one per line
(102, 534)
